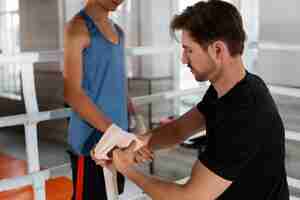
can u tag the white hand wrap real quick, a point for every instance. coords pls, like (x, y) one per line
(115, 137)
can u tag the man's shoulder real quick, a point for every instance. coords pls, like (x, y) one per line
(256, 83)
(259, 90)
(252, 91)
(254, 100)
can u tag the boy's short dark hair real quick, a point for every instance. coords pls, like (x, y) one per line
(211, 21)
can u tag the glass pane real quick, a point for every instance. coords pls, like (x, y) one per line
(9, 5)
(10, 44)
(185, 3)
(12, 5)
(9, 32)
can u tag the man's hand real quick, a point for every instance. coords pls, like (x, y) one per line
(123, 160)
(114, 137)
(145, 153)
(140, 156)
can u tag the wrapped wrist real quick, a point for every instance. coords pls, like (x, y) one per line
(113, 137)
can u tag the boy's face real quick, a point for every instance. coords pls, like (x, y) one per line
(110, 5)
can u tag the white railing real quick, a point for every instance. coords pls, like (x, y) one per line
(10, 86)
(273, 46)
(285, 91)
(278, 46)
(33, 117)
(57, 55)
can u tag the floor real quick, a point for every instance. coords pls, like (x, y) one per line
(59, 188)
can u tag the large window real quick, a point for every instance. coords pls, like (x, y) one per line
(9, 26)
(9, 44)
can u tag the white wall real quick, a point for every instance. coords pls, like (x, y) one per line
(72, 7)
(155, 18)
(279, 22)
(39, 25)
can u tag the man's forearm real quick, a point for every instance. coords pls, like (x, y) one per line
(178, 130)
(157, 189)
(165, 136)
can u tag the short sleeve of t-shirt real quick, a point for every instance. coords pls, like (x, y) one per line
(233, 143)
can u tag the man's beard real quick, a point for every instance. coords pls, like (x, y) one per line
(198, 77)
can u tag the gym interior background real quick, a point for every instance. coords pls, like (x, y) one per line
(153, 61)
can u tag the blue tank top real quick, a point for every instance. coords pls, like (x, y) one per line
(104, 82)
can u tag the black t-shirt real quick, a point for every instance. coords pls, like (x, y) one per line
(246, 141)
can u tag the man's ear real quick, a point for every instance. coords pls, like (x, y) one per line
(216, 51)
